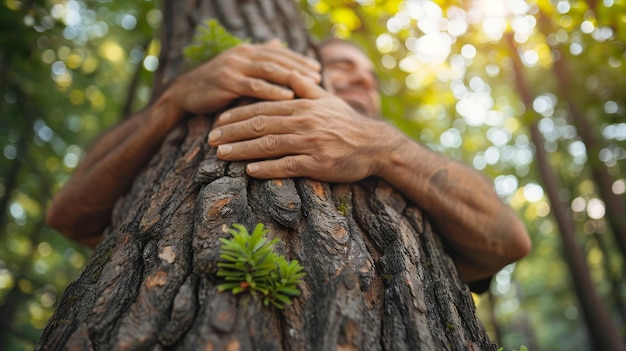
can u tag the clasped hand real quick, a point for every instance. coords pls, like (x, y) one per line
(317, 135)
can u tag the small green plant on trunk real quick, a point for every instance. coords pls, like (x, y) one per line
(250, 264)
(210, 39)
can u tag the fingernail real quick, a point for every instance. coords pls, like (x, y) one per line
(252, 168)
(215, 135)
(224, 117)
(316, 76)
(315, 64)
(224, 149)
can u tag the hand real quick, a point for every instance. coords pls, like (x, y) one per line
(318, 136)
(258, 71)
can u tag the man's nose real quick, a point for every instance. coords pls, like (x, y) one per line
(362, 78)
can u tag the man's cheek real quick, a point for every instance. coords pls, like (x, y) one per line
(332, 81)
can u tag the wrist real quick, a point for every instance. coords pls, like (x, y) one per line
(166, 111)
(391, 156)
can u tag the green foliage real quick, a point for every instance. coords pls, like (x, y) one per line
(252, 265)
(210, 39)
(58, 90)
(521, 348)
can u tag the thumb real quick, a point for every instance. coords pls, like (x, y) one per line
(305, 87)
(274, 42)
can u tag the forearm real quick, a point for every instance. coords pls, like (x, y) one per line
(81, 210)
(484, 233)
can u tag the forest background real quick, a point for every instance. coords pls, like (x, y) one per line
(470, 79)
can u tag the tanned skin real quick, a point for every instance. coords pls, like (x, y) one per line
(332, 136)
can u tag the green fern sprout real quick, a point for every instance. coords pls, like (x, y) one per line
(250, 264)
(210, 39)
(521, 348)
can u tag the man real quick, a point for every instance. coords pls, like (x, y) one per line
(329, 136)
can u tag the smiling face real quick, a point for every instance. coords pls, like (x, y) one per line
(351, 76)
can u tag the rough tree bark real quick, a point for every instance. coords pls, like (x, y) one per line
(376, 275)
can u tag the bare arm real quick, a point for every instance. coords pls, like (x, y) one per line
(82, 209)
(483, 233)
(323, 138)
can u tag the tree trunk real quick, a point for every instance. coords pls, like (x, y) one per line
(376, 275)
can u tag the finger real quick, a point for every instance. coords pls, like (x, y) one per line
(252, 128)
(260, 89)
(304, 87)
(274, 42)
(279, 52)
(275, 72)
(271, 145)
(285, 167)
(264, 108)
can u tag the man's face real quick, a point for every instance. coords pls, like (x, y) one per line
(351, 77)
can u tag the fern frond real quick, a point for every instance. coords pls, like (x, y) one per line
(250, 264)
(210, 39)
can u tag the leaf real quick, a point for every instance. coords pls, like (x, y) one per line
(250, 263)
(283, 298)
(291, 291)
(227, 286)
(210, 39)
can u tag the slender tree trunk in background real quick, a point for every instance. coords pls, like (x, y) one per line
(15, 296)
(127, 108)
(524, 325)
(23, 147)
(11, 301)
(497, 328)
(615, 207)
(604, 334)
(376, 275)
(9, 182)
(612, 276)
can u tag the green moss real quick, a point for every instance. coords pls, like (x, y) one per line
(386, 278)
(343, 207)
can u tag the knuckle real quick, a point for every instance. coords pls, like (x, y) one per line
(306, 122)
(224, 75)
(244, 48)
(268, 67)
(231, 60)
(255, 85)
(258, 109)
(270, 143)
(227, 131)
(259, 124)
(305, 104)
(291, 166)
(243, 149)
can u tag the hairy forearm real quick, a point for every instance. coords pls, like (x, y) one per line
(82, 209)
(484, 233)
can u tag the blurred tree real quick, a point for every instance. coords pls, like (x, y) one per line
(603, 332)
(49, 61)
